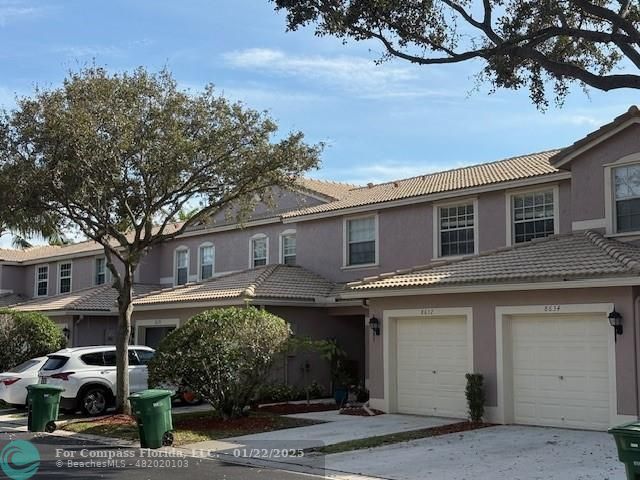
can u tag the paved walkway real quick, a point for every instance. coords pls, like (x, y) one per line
(339, 428)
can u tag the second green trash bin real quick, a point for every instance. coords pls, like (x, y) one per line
(152, 409)
(43, 403)
(627, 439)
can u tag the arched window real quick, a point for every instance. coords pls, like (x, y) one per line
(206, 261)
(288, 247)
(258, 250)
(181, 265)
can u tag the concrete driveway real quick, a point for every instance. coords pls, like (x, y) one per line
(496, 453)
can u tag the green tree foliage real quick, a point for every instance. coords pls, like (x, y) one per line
(118, 156)
(223, 355)
(517, 43)
(25, 335)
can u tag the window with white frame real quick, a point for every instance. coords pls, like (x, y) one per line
(64, 277)
(457, 230)
(42, 280)
(206, 257)
(533, 215)
(288, 246)
(627, 198)
(101, 271)
(259, 251)
(181, 266)
(361, 241)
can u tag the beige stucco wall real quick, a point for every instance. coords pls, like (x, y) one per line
(587, 199)
(484, 331)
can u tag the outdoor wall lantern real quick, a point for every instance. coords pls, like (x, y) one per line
(615, 320)
(374, 324)
(66, 332)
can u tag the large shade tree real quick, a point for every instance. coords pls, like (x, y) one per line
(519, 43)
(119, 156)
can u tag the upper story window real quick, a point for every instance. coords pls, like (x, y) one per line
(360, 238)
(64, 277)
(627, 198)
(181, 271)
(206, 260)
(288, 247)
(259, 250)
(533, 215)
(457, 230)
(42, 280)
(101, 271)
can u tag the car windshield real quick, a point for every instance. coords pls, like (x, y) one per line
(23, 367)
(55, 362)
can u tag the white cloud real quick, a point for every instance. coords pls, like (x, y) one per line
(357, 75)
(384, 172)
(77, 51)
(13, 9)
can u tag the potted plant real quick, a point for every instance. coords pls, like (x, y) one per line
(341, 379)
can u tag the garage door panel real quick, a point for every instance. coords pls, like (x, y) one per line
(560, 370)
(431, 365)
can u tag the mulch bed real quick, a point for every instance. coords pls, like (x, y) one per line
(291, 408)
(236, 424)
(119, 419)
(458, 427)
(360, 412)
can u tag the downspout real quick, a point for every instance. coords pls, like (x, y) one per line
(636, 341)
(74, 334)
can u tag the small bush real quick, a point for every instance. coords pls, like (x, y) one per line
(25, 335)
(279, 392)
(223, 355)
(475, 396)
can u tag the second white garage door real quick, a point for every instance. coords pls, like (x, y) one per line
(432, 360)
(561, 370)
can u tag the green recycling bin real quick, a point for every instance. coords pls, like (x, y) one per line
(627, 439)
(43, 402)
(152, 409)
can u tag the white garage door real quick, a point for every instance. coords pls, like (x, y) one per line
(560, 371)
(432, 363)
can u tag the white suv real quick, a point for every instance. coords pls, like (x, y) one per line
(88, 375)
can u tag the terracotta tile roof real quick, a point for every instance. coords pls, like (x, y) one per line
(271, 282)
(515, 168)
(45, 251)
(102, 298)
(633, 112)
(8, 299)
(327, 188)
(562, 257)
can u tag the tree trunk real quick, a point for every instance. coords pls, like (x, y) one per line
(125, 307)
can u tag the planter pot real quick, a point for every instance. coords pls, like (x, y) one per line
(340, 395)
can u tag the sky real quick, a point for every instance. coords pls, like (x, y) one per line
(379, 122)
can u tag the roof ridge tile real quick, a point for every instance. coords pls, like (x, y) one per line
(610, 248)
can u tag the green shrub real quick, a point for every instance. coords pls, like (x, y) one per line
(223, 355)
(280, 392)
(25, 335)
(475, 396)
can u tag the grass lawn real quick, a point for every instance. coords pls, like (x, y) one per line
(390, 439)
(191, 427)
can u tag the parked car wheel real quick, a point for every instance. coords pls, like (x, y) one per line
(94, 401)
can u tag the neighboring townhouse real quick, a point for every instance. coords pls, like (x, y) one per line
(515, 269)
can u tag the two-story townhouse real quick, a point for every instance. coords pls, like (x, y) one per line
(515, 269)
(530, 275)
(226, 263)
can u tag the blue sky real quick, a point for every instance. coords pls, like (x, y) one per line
(379, 122)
